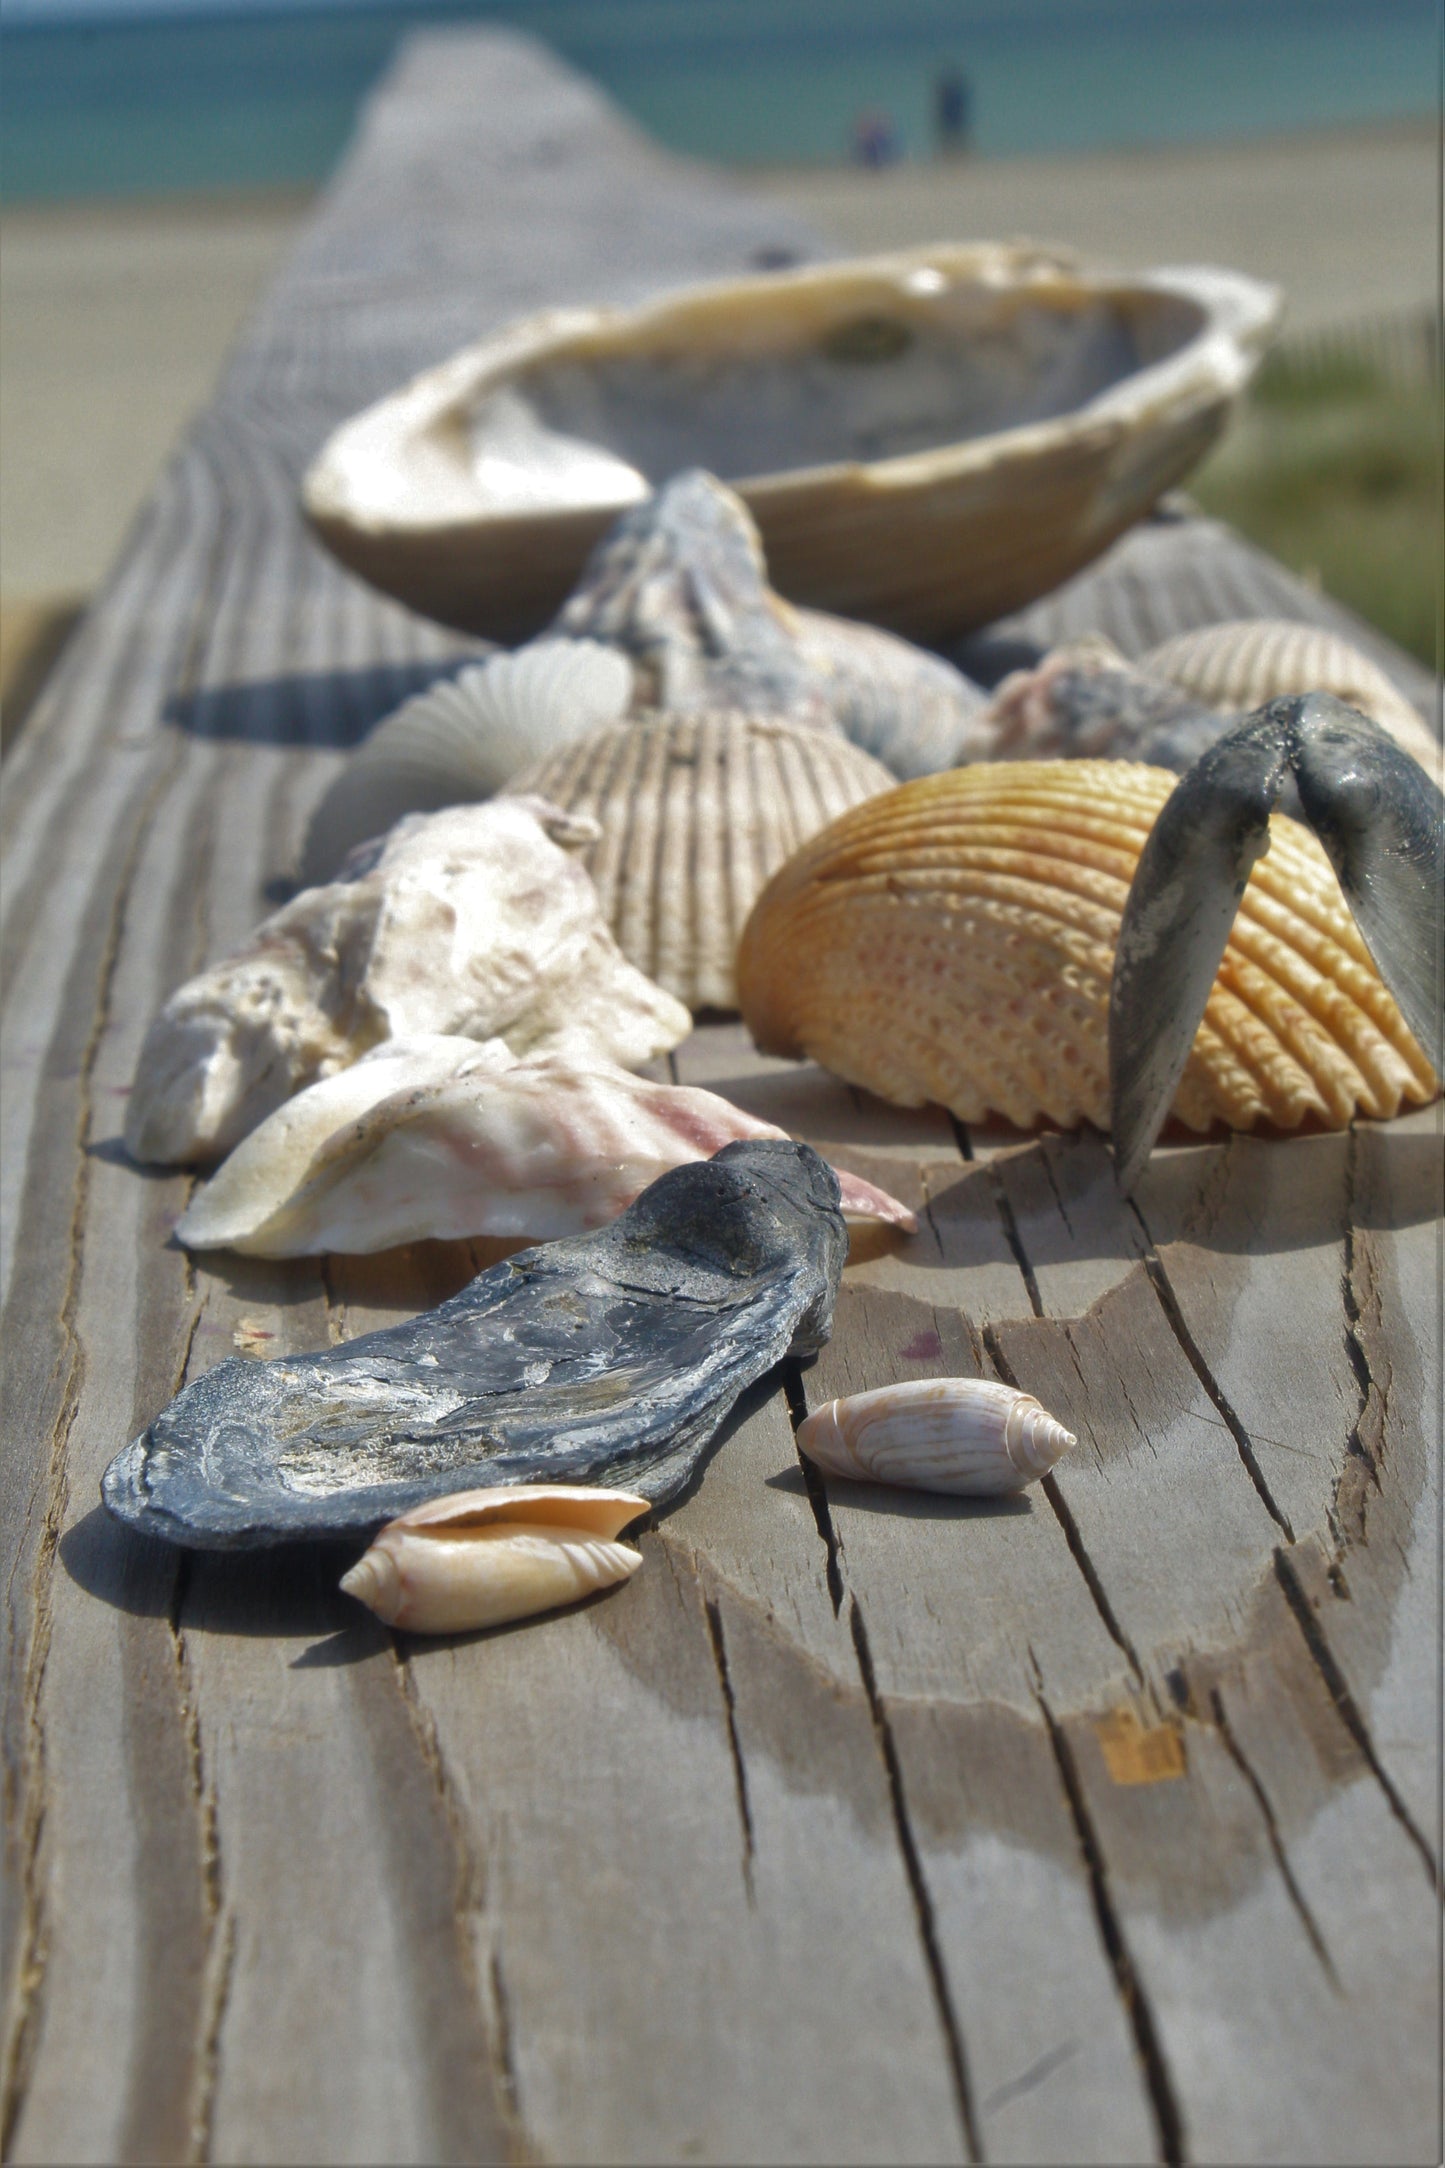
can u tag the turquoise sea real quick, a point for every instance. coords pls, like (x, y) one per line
(198, 99)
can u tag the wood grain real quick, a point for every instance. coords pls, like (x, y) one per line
(1098, 1826)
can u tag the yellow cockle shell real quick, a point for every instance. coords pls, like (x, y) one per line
(952, 941)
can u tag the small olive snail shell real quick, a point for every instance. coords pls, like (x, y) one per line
(966, 1436)
(486, 1557)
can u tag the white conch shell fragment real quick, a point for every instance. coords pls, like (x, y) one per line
(966, 1436)
(442, 1138)
(485, 1557)
(475, 921)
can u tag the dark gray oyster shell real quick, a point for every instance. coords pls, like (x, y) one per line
(610, 1358)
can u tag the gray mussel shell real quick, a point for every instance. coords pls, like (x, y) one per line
(610, 1358)
(909, 709)
(459, 741)
(697, 812)
(1085, 702)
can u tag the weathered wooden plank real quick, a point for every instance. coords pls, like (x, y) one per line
(1320, 2040)
(930, 1598)
(839, 1799)
(135, 853)
(1074, 1241)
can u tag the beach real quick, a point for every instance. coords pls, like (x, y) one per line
(116, 317)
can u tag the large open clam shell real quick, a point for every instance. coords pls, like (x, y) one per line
(1239, 665)
(696, 811)
(926, 439)
(953, 941)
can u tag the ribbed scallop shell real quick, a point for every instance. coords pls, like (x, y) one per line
(953, 941)
(462, 740)
(696, 812)
(965, 1436)
(1241, 664)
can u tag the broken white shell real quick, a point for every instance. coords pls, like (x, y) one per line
(966, 1436)
(471, 922)
(485, 1557)
(1245, 662)
(460, 741)
(927, 440)
(438, 1138)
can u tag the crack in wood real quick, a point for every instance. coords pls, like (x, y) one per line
(216, 1999)
(1049, 1176)
(1159, 2084)
(918, 1887)
(797, 1407)
(1028, 2081)
(492, 2031)
(713, 1615)
(961, 1138)
(1262, 1800)
(504, 2062)
(219, 1922)
(1244, 1445)
(1014, 1239)
(67, 1380)
(1345, 1703)
(1072, 1534)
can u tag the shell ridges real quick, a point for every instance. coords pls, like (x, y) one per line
(966, 1437)
(959, 934)
(696, 811)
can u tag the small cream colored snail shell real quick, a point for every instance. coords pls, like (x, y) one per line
(484, 1557)
(967, 1436)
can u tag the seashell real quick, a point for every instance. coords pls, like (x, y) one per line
(927, 440)
(953, 941)
(696, 811)
(486, 1557)
(442, 1138)
(911, 710)
(1247, 661)
(460, 741)
(610, 1357)
(965, 1436)
(472, 922)
(679, 587)
(1381, 821)
(673, 614)
(1084, 702)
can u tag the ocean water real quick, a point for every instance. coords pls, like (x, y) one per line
(187, 99)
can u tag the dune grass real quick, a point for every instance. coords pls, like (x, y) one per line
(1338, 473)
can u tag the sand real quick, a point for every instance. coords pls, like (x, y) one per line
(115, 319)
(114, 322)
(1345, 221)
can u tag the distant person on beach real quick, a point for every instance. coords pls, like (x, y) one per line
(952, 111)
(875, 139)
